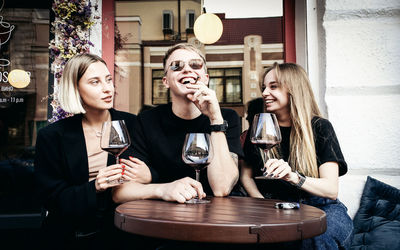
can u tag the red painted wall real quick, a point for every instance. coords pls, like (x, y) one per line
(289, 30)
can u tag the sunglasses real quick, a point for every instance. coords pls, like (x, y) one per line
(178, 65)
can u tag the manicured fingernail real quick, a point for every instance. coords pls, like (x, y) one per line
(122, 173)
(120, 160)
(131, 158)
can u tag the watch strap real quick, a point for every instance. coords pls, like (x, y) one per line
(301, 182)
(219, 127)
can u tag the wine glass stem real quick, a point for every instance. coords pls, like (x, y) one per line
(197, 179)
(197, 175)
(265, 155)
(117, 159)
(265, 159)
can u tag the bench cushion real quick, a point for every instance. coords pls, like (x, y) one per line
(377, 221)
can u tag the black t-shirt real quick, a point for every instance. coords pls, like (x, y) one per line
(159, 138)
(327, 149)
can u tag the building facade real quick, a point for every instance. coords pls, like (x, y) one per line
(235, 62)
(348, 48)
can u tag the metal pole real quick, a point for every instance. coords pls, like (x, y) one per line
(179, 20)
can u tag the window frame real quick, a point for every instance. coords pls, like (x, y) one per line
(188, 12)
(224, 84)
(153, 88)
(171, 20)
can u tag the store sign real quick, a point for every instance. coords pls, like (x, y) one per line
(17, 78)
(5, 35)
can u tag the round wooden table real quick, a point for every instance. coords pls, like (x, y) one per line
(223, 220)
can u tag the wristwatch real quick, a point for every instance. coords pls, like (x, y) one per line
(301, 182)
(219, 127)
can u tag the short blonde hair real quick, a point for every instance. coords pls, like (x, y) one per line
(68, 95)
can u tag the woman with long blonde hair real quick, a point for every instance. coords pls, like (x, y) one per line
(306, 165)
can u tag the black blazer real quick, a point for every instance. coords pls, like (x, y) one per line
(62, 174)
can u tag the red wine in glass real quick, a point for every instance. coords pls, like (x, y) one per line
(265, 145)
(265, 134)
(116, 150)
(115, 139)
(198, 166)
(197, 152)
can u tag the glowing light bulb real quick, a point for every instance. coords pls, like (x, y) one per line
(208, 28)
(19, 78)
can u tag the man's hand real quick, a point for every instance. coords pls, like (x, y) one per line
(206, 101)
(181, 190)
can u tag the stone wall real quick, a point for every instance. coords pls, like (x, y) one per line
(361, 56)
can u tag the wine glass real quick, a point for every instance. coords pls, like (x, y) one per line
(115, 139)
(265, 134)
(197, 152)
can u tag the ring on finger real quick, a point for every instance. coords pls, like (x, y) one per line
(107, 180)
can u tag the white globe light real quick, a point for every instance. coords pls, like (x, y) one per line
(19, 78)
(208, 28)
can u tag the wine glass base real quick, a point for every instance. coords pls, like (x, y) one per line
(265, 177)
(197, 201)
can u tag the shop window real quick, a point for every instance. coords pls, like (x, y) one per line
(24, 71)
(227, 83)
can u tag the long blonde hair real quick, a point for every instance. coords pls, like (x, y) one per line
(303, 108)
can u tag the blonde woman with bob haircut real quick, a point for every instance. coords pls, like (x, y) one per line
(69, 97)
(306, 165)
(74, 175)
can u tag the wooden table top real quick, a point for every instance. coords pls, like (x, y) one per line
(223, 220)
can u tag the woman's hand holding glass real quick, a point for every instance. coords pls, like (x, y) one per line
(115, 140)
(136, 170)
(265, 134)
(110, 176)
(279, 169)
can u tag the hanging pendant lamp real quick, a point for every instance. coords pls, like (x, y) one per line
(208, 28)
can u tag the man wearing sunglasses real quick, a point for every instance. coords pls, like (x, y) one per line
(160, 134)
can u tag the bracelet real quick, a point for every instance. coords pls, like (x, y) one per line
(301, 182)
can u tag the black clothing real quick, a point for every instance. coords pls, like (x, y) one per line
(62, 179)
(159, 138)
(327, 149)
